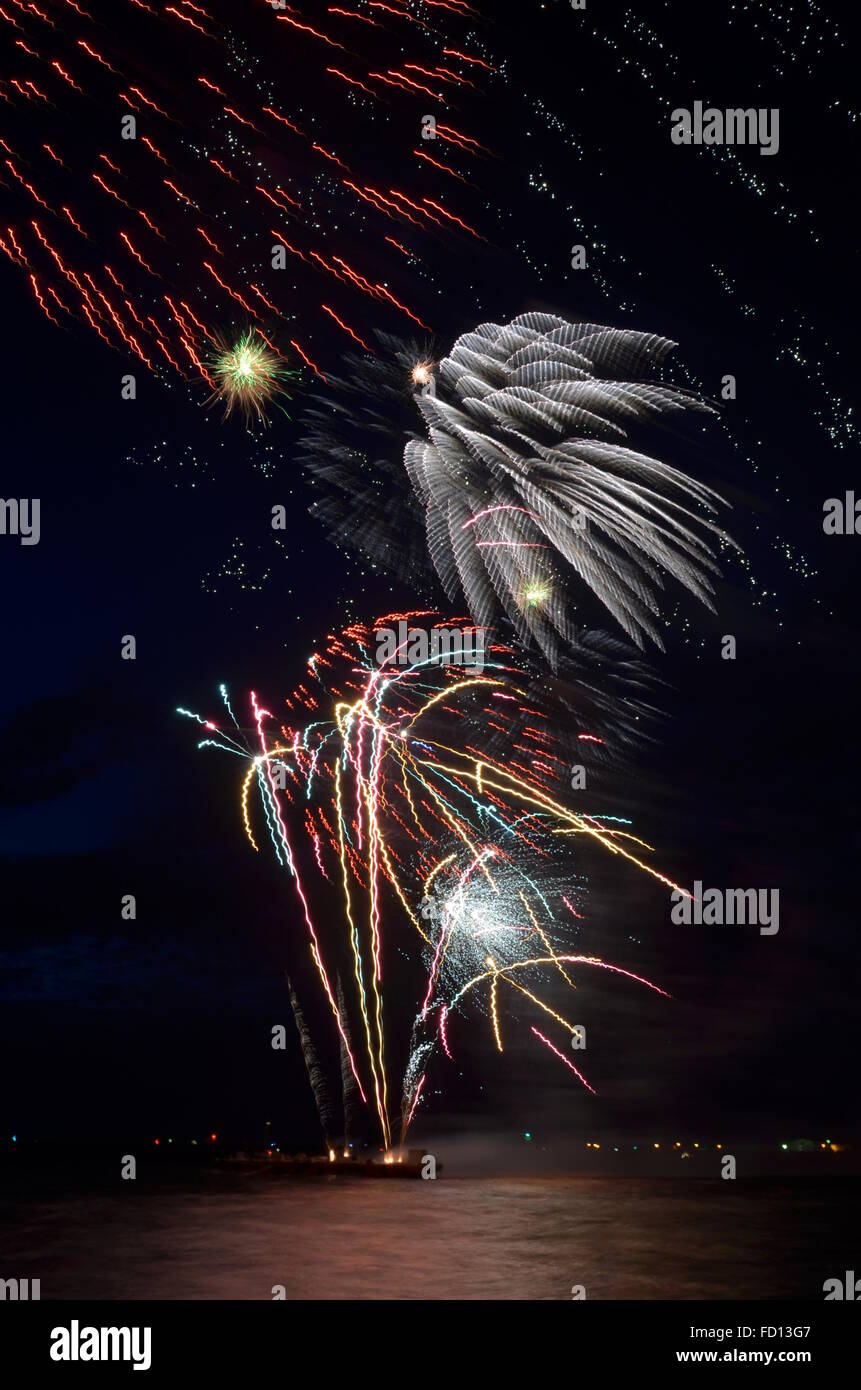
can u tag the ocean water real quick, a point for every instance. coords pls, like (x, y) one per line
(455, 1238)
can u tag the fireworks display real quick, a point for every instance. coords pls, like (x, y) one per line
(425, 808)
(212, 187)
(514, 325)
(251, 187)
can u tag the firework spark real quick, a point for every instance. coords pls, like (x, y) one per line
(249, 376)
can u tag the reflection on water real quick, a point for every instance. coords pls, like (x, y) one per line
(461, 1238)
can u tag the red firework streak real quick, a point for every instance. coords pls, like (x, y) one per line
(195, 166)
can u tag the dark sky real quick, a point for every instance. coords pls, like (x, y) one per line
(750, 262)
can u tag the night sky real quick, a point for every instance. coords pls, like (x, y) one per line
(155, 522)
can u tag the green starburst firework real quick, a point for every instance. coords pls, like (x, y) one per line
(535, 594)
(249, 376)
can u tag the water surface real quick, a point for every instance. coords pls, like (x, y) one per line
(461, 1238)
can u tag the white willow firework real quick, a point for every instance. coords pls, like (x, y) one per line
(526, 473)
